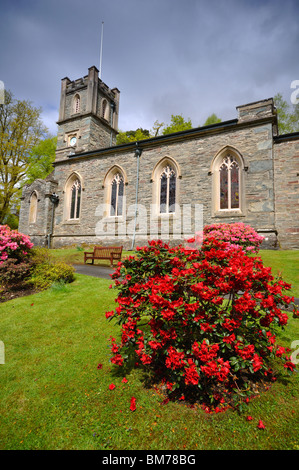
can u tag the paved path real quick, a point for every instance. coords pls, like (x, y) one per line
(94, 270)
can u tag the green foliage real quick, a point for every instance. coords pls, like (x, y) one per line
(177, 124)
(41, 159)
(212, 119)
(12, 221)
(288, 115)
(35, 270)
(21, 129)
(46, 272)
(132, 136)
(13, 273)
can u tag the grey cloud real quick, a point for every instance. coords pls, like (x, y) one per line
(166, 56)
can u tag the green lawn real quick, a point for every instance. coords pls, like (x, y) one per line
(287, 263)
(283, 261)
(53, 396)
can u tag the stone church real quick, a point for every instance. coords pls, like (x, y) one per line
(167, 186)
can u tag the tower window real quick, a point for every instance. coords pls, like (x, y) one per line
(105, 110)
(77, 104)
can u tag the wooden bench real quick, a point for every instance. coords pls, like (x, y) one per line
(104, 252)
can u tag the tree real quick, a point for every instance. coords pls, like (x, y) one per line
(132, 136)
(41, 159)
(177, 124)
(288, 115)
(21, 129)
(156, 128)
(212, 119)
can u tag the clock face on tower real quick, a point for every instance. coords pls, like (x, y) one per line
(73, 141)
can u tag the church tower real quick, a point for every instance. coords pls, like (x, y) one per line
(88, 115)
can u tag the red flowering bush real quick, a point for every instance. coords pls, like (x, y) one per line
(203, 322)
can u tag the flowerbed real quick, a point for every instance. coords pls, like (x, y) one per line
(13, 244)
(25, 269)
(202, 322)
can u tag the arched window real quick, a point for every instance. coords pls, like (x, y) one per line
(105, 110)
(75, 199)
(73, 195)
(167, 190)
(77, 104)
(166, 177)
(33, 208)
(229, 179)
(114, 196)
(117, 194)
(228, 183)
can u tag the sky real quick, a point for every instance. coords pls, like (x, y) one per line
(188, 57)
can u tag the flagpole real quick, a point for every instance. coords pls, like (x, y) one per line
(101, 53)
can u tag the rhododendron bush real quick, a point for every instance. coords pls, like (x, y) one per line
(23, 267)
(204, 322)
(13, 244)
(236, 234)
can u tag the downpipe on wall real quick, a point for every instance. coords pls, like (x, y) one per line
(54, 198)
(138, 152)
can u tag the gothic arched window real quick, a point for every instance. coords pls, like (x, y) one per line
(117, 194)
(229, 183)
(33, 208)
(75, 199)
(167, 188)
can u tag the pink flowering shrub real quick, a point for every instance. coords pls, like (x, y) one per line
(203, 322)
(13, 244)
(236, 234)
(23, 267)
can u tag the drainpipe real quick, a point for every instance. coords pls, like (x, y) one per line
(138, 152)
(54, 199)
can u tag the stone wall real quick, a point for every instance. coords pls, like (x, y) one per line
(41, 227)
(286, 179)
(269, 176)
(193, 154)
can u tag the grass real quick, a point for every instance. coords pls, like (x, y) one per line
(53, 396)
(75, 255)
(282, 261)
(285, 262)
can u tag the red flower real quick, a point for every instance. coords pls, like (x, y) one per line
(124, 380)
(111, 387)
(109, 314)
(249, 418)
(118, 360)
(289, 365)
(133, 404)
(261, 425)
(257, 362)
(100, 366)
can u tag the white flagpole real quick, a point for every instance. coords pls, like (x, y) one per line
(101, 53)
